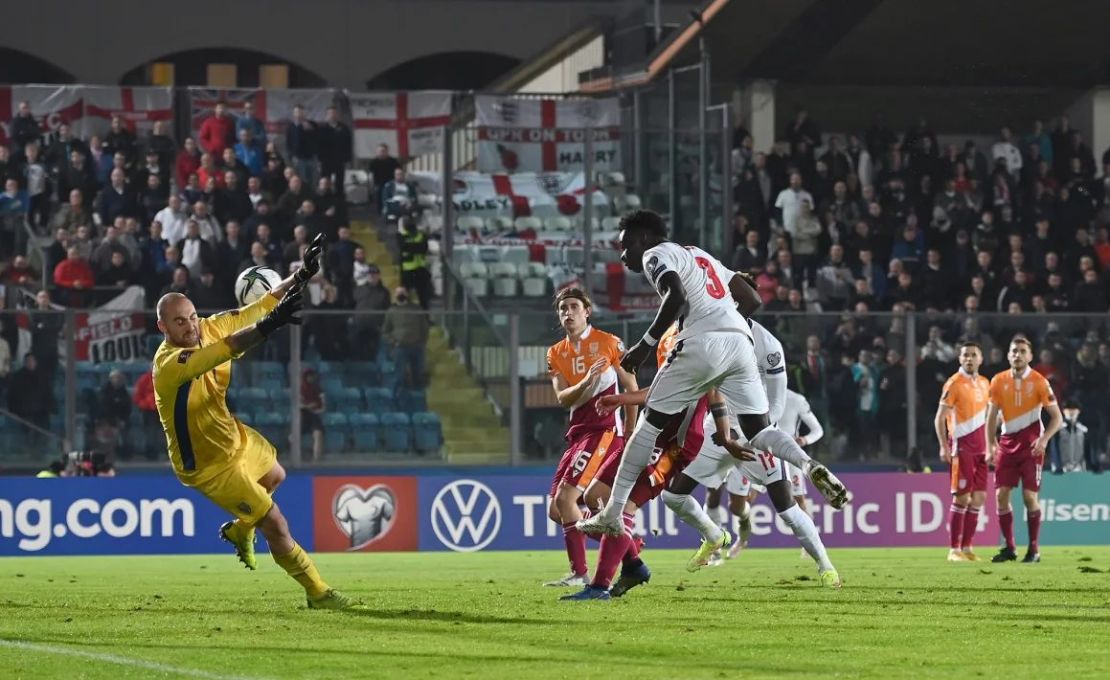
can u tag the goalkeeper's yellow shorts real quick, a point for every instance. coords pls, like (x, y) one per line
(236, 488)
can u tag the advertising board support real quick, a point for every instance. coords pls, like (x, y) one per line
(587, 216)
(516, 404)
(447, 190)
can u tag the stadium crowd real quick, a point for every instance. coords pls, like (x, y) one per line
(896, 223)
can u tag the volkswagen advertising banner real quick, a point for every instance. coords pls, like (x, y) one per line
(442, 510)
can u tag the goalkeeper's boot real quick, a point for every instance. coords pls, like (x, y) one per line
(701, 556)
(331, 599)
(827, 483)
(588, 593)
(956, 555)
(242, 541)
(1006, 554)
(830, 579)
(630, 578)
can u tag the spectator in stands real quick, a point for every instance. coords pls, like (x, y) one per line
(117, 274)
(262, 215)
(330, 205)
(866, 377)
(334, 146)
(173, 218)
(406, 330)
(789, 202)
(249, 122)
(192, 191)
(232, 202)
(250, 152)
(153, 165)
(371, 299)
(208, 172)
(180, 283)
(116, 200)
(292, 251)
(398, 196)
(217, 132)
(903, 292)
(73, 213)
(161, 144)
(1090, 294)
(231, 163)
(59, 151)
(312, 408)
(232, 250)
(340, 265)
(152, 198)
(143, 399)
(24, 129)
(207, 223)
(936, 347)
(270, 245)
(255, 194)
(21, 273)
(187, 162)
(120, 140)
(56, 251)
(37, 184)
(73, 276)
(751, 255)
(209, 294)
(834, 281)
(82, 240)
(273, 182)
(101, 256)
(329, 329)
(76, 174)
(258, 258)
(414, 261)
(382, 168)
(114, 403)
(197, 252)
(301, 145)
(292, 200)
(892, 403)
(30, 394)
(312, 221)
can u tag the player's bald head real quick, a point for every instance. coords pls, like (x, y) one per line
(172, 303)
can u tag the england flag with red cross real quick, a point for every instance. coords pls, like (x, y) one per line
(409, 123)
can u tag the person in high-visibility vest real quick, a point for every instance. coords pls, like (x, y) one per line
(414, 261)
(52, 471)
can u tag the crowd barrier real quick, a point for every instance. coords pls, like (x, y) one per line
(455, 510)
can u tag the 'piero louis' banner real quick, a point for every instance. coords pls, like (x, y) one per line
(546, 135)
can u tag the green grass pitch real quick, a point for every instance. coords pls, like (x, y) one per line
(901, 613)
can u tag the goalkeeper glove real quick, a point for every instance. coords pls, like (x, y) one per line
(283, 314)
(311, 263)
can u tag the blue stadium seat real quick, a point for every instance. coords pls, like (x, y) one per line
(272, 386)
(328, 367)
(332, 384)
(412, 401)
(427, 432)
(362, 374)
(335, 441)
(272, 369)
(347, 399)
(271, 417)
(396, 432)
(246, 416)
(152, 342)
(365, 439)
(253, 399)
(378, 399)
(334, 419)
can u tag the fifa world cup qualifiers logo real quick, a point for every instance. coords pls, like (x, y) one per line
(364, 515)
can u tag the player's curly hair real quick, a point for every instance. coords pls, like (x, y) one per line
(573, 293)
(645, 220)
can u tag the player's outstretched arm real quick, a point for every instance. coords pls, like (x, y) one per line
(609, 403)
(744, 292)
(674, 299)
(628, 384)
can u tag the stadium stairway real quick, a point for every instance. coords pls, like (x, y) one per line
(472, 431)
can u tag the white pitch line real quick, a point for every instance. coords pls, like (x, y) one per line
(116, 659)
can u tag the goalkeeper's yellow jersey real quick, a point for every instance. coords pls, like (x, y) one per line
(190, 390)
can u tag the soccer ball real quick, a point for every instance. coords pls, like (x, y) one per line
(253, 283)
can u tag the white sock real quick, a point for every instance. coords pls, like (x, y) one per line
(806, 533)
(637, 454)
(691, 512)
(781, 445)
(717, 514)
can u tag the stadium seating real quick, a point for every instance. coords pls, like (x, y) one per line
(504, 279)
(475, 276)
(427, 432)
(396, 431)
(533, 277)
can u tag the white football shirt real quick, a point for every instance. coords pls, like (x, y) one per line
(709, 304)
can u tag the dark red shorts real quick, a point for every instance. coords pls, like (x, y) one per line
(653, 479)
(1023, 467)
(969, 472)
(582, 461)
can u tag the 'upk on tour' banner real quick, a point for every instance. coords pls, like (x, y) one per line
(467, 513)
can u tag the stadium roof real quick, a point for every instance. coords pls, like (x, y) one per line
(890, 43)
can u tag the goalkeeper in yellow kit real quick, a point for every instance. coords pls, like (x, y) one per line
(211, 450)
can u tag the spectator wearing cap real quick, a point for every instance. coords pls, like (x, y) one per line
(301, 145)
(217, 132)
(334, 148)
